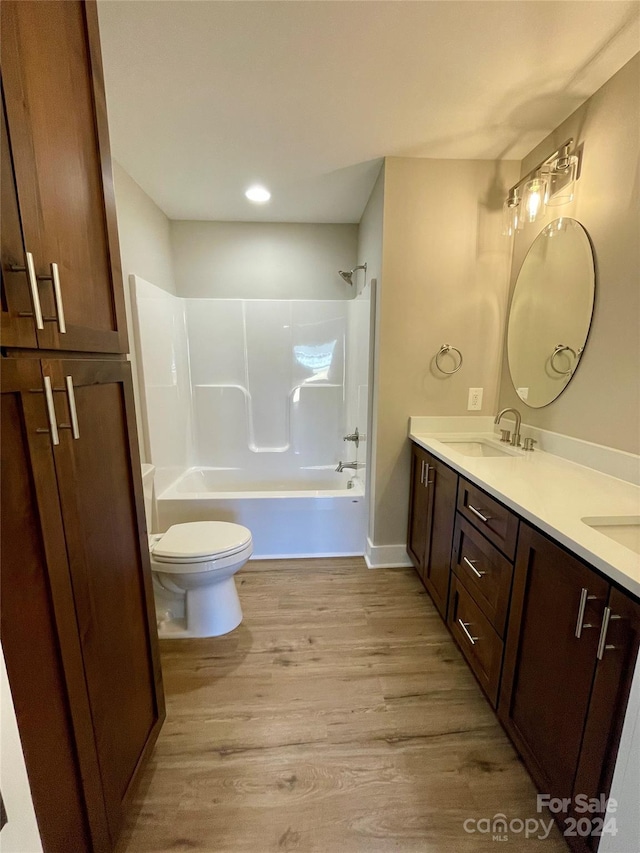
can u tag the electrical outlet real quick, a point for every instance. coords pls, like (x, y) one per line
(475, 400)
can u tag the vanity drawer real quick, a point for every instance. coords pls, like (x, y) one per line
(478, 641)
(495, 521)
(486, 573)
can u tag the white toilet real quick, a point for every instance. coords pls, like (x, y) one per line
(193, 566)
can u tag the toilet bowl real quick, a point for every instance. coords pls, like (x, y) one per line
(193, 567)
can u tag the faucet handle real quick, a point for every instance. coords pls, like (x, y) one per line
(505, 435)
(528, 443)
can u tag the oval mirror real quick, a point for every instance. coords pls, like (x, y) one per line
(551, 312)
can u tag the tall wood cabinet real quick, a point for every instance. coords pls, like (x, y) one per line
(78, 623)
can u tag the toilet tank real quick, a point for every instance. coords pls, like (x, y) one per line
(148, 472)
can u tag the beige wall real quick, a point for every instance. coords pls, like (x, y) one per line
(444, 279)
(145, 248)
(602, 402)
(143, 230)
(369, 252)
(268, 260)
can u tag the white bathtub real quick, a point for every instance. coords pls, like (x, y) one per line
(311, 513)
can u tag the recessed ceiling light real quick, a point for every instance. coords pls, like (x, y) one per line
(258, 194)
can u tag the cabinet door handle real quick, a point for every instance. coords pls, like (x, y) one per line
(51, 410)
(57, 295)
(479, 514)
(580, 623)
(427, 482)
(54, 278)
(30, 270)
(422, 473)
(471, 564)
(607, 617)
(465, 626)
(75, 431)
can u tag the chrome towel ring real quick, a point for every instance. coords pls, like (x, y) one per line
(444, 349)
(559, 349)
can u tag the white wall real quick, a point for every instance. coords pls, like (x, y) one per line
(262, 260)
(20, 834)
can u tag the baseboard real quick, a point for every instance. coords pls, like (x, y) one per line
(386, 556)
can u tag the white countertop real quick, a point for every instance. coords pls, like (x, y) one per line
(553, 494)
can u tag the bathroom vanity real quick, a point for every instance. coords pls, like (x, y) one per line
(541, 596)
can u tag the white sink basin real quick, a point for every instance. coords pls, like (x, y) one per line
(478, 447)
(624, 529)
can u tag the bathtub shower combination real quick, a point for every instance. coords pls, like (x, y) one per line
(245, 405)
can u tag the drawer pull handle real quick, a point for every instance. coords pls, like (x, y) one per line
(465, 626)
(479, 514)
(471, 564)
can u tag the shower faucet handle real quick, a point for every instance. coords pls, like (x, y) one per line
(354, 436)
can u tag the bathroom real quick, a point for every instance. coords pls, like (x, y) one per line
(304, 365)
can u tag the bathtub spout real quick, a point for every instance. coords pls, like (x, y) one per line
(344, 465)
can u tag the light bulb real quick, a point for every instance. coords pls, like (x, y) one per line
(533, 202)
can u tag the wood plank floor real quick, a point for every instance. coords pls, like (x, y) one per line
(338, 718)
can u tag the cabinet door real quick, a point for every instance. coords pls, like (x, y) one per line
(443, 483)
(100, 486)
(556, 615)
(617, 655)
(420, 509)
(39, 633)
(56, 113)
(17, 311)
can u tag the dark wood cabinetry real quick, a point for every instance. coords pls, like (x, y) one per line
(78, 622)
(56, 168)
(556, 616)
(567, 672)
(552, 642)
(431, 517)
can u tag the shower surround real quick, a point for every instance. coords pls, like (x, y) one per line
(244, 406)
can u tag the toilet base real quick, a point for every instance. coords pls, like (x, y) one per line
(210, 611)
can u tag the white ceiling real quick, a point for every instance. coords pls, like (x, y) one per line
(305, 97)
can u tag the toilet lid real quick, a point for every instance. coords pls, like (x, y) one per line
(198, 540)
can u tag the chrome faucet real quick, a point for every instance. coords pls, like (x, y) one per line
(515, 438)
(343, 465)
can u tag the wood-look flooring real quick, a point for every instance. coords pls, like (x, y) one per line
(338, 718)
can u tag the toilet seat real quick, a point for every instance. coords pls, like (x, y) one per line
(200, 542)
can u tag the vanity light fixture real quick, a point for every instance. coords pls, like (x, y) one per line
(562, 178)
(551, 182)
(258, 194)
(511, 213)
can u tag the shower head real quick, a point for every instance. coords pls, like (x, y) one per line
(347, 275)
